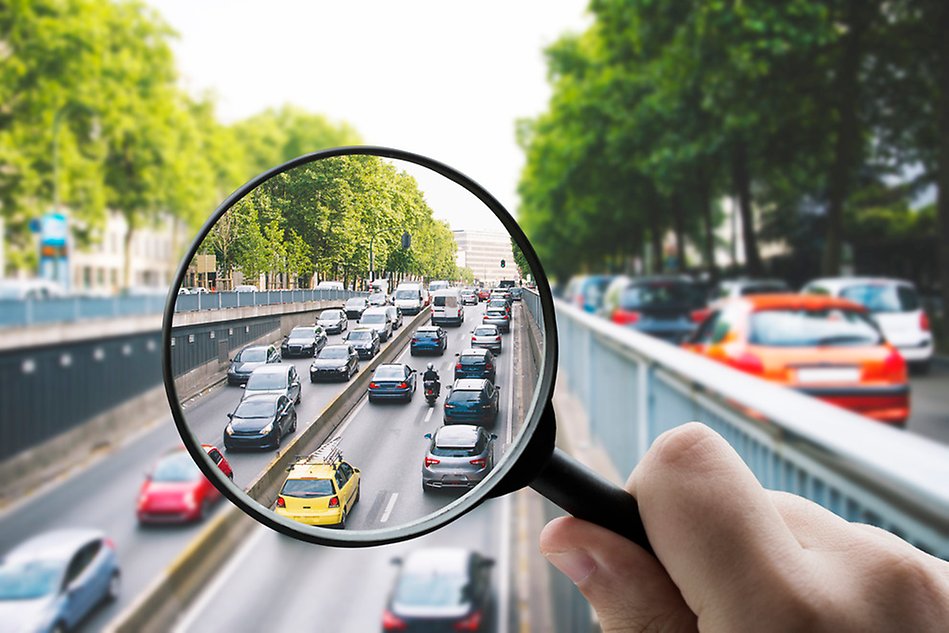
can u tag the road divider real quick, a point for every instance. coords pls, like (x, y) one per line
(178, 586)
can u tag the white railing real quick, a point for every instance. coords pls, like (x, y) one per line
(634, 387)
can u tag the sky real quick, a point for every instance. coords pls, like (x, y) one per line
(441, 79)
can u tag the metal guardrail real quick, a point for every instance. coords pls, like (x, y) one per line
(634, 387)
(29, 312)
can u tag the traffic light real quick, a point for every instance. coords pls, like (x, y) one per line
(502, 263)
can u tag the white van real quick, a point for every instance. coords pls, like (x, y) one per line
(329, 285)
(410, 298)
(447, 307)
(381, 285)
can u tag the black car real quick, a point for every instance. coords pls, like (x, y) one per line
(661, 306)
(335, 362)
(429, 339)
(260, 422)
(306, 340)
(355, 306)
(440, 589)
(333, 321)
(365, 340)
(476, 363)
(249, 359)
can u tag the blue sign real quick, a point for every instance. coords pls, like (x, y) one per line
(54, 229)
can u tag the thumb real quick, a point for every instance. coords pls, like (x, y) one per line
(628, 588)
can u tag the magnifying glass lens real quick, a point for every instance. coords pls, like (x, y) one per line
(357, 343)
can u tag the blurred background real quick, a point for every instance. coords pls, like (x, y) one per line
(742, 209)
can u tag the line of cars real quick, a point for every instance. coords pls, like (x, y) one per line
(849, 341)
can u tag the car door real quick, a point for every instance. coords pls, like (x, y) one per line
(410, 376)
(294, 378)
(493, 395)
(283, 414)
(347, 485)
(272, 355)
(82, 584)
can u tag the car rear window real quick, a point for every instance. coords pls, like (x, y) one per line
(355, 302)
(658, 295)
(883, 297)
(177, 467)
(453, 451)
(426, 334)
(436, 588)
(472, 359)
(812, 328)
(307, 488)
(459, 395)
(389, 373)
(486, 331)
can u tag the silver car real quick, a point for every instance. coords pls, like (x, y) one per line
(459, 456)
(488, 337)
(378, 319)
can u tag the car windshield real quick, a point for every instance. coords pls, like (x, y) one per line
(812, 328)
(308, 488)
(377, 296)
(334, 352)
(176, 467)
(255, 408)
(486, 331)
(406, 294)
(355, 302)
(266, 381)
(432, 588)
(657, 295)
(29, 580)
(301, 332)
(331, 315)
(459, 395)
(389, 373)
(359, 335)
(257, 355)
(373, 318)
(883, 297)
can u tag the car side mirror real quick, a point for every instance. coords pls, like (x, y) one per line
(244, 386)
(427, 436)
(487, 562)
(230, 416)
(494, 436)
(457, 354)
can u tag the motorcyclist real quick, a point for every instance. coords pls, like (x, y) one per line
(431, 375)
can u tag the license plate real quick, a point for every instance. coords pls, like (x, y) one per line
(828, 374)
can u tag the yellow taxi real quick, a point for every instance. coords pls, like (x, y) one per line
(321, 489)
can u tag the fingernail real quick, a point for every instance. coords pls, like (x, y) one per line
(575, 564)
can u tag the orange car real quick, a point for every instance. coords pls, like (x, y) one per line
(826, 347)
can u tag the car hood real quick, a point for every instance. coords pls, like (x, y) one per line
(249, 424)
(246, 368)
(166, 491)
(23, 615)
(329, 363)
(361, 344)
(326, 322)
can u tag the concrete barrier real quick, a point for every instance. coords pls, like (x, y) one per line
(169, 595)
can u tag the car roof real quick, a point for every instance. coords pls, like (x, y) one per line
(799, 302)
(272, 368)
(54, 544)
(469, 384)
(441, 559)
(381, 365)
(428, 328)
(474, 351)
(312, 471)
(457, 436)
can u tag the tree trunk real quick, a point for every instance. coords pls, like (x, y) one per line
(678, 219)
(708, 250)
(127, 253)
(847, 143)
(742, 183)
(942, 174)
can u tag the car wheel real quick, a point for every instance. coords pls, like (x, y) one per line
(299, 396)
(920, 368)
(276, 443)
(342, 521)
(115, 586)
(312, 379)
(412, 352)
(293, 425)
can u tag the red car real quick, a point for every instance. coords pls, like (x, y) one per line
(176, 491)
(484, 294)
(826, 347)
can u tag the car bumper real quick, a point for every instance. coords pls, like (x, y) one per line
(237, 379)
(238, 442)
(291, 352)
(401, 394)
(168, 514)
(447, 320)
(325, 375)
(426, 349)
(330, 518)
(364, 352)
(885, 403)
(917, 353)
(479, 418)
(452, 480)
(493, 346)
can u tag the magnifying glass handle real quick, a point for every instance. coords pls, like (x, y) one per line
(588, 496)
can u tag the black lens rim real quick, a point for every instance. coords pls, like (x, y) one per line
(455, 509)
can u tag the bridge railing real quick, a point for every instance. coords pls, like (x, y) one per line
(634, 387)
(30, 312)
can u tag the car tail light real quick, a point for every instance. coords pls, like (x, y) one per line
(429, 461)
(281, 502)
(334, 502)
(458, 366)
(474, 339)
(498, 339)
(505, 316)
(489, 367)
(471, 623)
(392, 623)
(480, 463)
(700, 315)
(747, 362)
(373, 385)
(624, 317)
(415, 339)
(894, 365)
(924, 321)
(403, 385)
(449, 406)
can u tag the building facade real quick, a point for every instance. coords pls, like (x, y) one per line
(482, 252)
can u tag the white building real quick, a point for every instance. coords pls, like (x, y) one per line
(482, 252)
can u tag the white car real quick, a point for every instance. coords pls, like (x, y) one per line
(895, 306)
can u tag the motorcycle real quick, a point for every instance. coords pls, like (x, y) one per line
(431, 392)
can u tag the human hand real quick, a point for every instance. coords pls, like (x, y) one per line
(732, 556)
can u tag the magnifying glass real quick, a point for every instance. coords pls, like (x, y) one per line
(361, 347)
